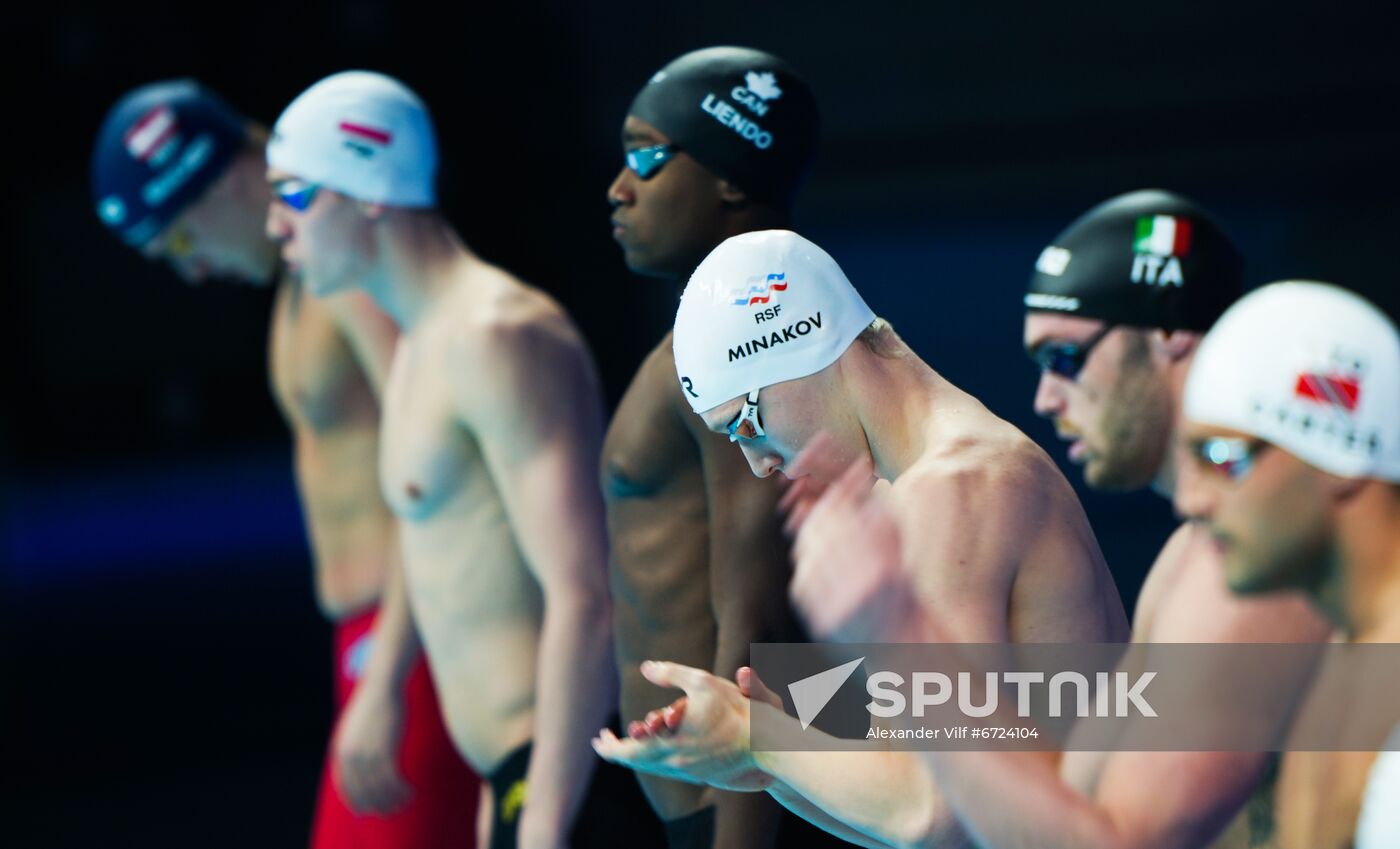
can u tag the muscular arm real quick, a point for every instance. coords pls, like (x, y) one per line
(936, 567)
(885, 798)
(528, 392)
(371, 336)
(749, 574)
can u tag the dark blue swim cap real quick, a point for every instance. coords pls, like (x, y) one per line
(743, 114)
(159, 148)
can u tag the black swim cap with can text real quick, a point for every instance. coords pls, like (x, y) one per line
(743, 114)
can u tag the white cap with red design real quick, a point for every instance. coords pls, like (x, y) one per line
(363, 134)
(762, 308)
(1309, 367)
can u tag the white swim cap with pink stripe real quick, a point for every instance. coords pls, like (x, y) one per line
(365, 135)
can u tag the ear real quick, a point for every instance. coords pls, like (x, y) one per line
(372, 211)
(1179, 344)
(732, 194)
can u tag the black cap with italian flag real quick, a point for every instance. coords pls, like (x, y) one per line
(1148, 258)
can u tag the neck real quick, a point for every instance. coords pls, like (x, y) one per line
(419, 256)
(253, 196)
(1362, 587)
(893, 399)
(1164, 484)
(748, 218)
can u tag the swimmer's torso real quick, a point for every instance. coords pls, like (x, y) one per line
(1186, 600)
(476, 606)
(331, 408)
(1320, 793)
(658, 529)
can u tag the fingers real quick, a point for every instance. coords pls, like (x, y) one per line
(660, 721)
(819, 457)
(808, 492)
(645, 755)
(665, 674)
(675, 714)
(371, 784)
(855, 483)
(394, 791)
(610, 748)
(753, 687)
(795, 492)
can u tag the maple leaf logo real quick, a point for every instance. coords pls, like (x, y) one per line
(765, 85)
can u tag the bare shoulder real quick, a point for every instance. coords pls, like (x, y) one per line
(501, 324)
(1165, 571)
(1192, 602)
(995, 473)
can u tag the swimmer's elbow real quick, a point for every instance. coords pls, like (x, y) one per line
(932, 826)
(923, 819)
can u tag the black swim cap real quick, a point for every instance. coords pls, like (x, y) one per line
(742, 113)
(159, 148)
(1147, 259)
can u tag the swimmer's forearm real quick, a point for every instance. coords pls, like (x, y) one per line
(748, 819)
(1047, 812)
(889, 796)
(396, 643)
(575, 692)
(803, 808)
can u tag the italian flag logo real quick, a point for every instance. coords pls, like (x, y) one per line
(1163, 235)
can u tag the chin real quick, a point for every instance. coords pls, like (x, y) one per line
(1102, 475)
(640, 265)
(1244, 578)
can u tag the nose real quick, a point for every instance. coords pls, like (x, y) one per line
(762, 463)
(621, 192)
(1049, 395)
(1194, 497)
(278, 226)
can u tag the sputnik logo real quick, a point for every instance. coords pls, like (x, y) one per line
(812, 693)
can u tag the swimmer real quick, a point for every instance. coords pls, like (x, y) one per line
(179, 176)
(492, 422)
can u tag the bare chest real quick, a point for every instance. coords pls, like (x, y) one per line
(315, 376)
(648, 451)
(426, 457)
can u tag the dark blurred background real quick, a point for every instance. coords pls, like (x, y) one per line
(163, 675)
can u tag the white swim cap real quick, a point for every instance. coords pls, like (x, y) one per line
(1309, 367)
(362, 134)
(762, 308)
